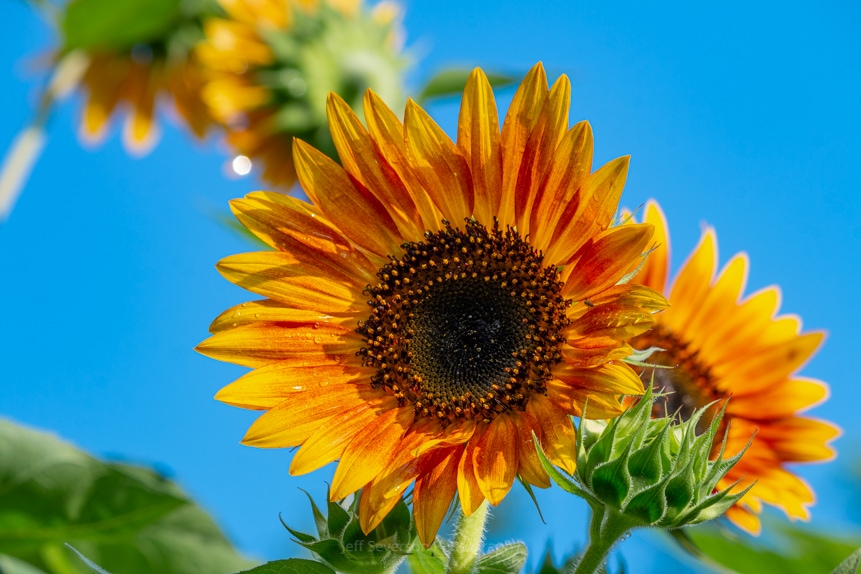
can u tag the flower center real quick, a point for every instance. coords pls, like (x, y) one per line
(466, 324)
(688, 382)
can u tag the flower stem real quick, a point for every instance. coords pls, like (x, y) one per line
(467, 541)
(605, 529)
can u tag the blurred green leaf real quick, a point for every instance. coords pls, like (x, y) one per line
(291, 566)
(106, 24)
(850, 565)
(124, 518)
(793, 550)
(451, 81)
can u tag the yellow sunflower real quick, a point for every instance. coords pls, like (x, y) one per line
(437, 302)
(271, 63)
(132, 80)
(721, 346)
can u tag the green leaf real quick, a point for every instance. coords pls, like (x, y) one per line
(423, 560)
(505, 560)
(115, 24)
(127, 519)
(291, 566)
(850, 565)
(451, 81)
(792, 550)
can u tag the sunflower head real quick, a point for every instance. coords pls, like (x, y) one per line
(272, 64)
(438, 304)
(718, 343)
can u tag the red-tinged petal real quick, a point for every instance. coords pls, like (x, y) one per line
(356, 213)
(298, 283)
(604, 261)
(657, 267)
(370, 449)
(478, 138)
(291, 225)
(495, 458)
(370, 171)
(557, 432)
(327, 443)
(540, 150)
(266, 387)
(381, 495)
(434, 490)
(568, 170)
(292, 421)
(438, 164)
(594, 211)
(269, 311)
(387, 133)
(520, 120)
(258, 345)
(469, 492)
(529, 467)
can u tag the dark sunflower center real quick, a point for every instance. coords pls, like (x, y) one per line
(687, 382)
(466, 324)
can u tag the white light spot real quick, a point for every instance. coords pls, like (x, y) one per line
(241, 165)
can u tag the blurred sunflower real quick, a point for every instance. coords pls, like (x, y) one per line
(271, 63)
(437, 302)
(722, 346)
(129, 77)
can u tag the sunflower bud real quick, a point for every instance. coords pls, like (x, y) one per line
(651, 472)
(341, 544)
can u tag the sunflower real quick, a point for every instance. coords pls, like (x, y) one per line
(133, 80)
(721, 345)
(437, 303)
(271, 63)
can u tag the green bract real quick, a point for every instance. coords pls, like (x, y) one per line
(341, 544)
(650, 472)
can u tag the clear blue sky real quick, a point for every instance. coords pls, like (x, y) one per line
(744, 116)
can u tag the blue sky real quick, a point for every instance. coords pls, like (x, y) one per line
(744, 117)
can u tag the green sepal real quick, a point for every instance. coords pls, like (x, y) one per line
(505, 560)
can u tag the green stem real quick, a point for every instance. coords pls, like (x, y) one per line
(606, 527)
(467, 541)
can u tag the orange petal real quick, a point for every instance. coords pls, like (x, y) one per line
(261, 344)
(602, 262)
(328, 442)
(657, 267)
(593, 213)
(292, 421)
(370, 450)
(557, 432)
(300, 283)
(388, 134)
(469, 492)
(355, 212)
(268, 386)
(438, 164)
(495, 458)
(523, 114)
(529, 467)
(478, 139)
(291, 225)
(271, 311)
(540, 150)
(434, 490)
(362, 162)
(568, 170)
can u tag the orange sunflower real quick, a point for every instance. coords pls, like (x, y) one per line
(437, 302)
(721, 346)
(270, 64)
